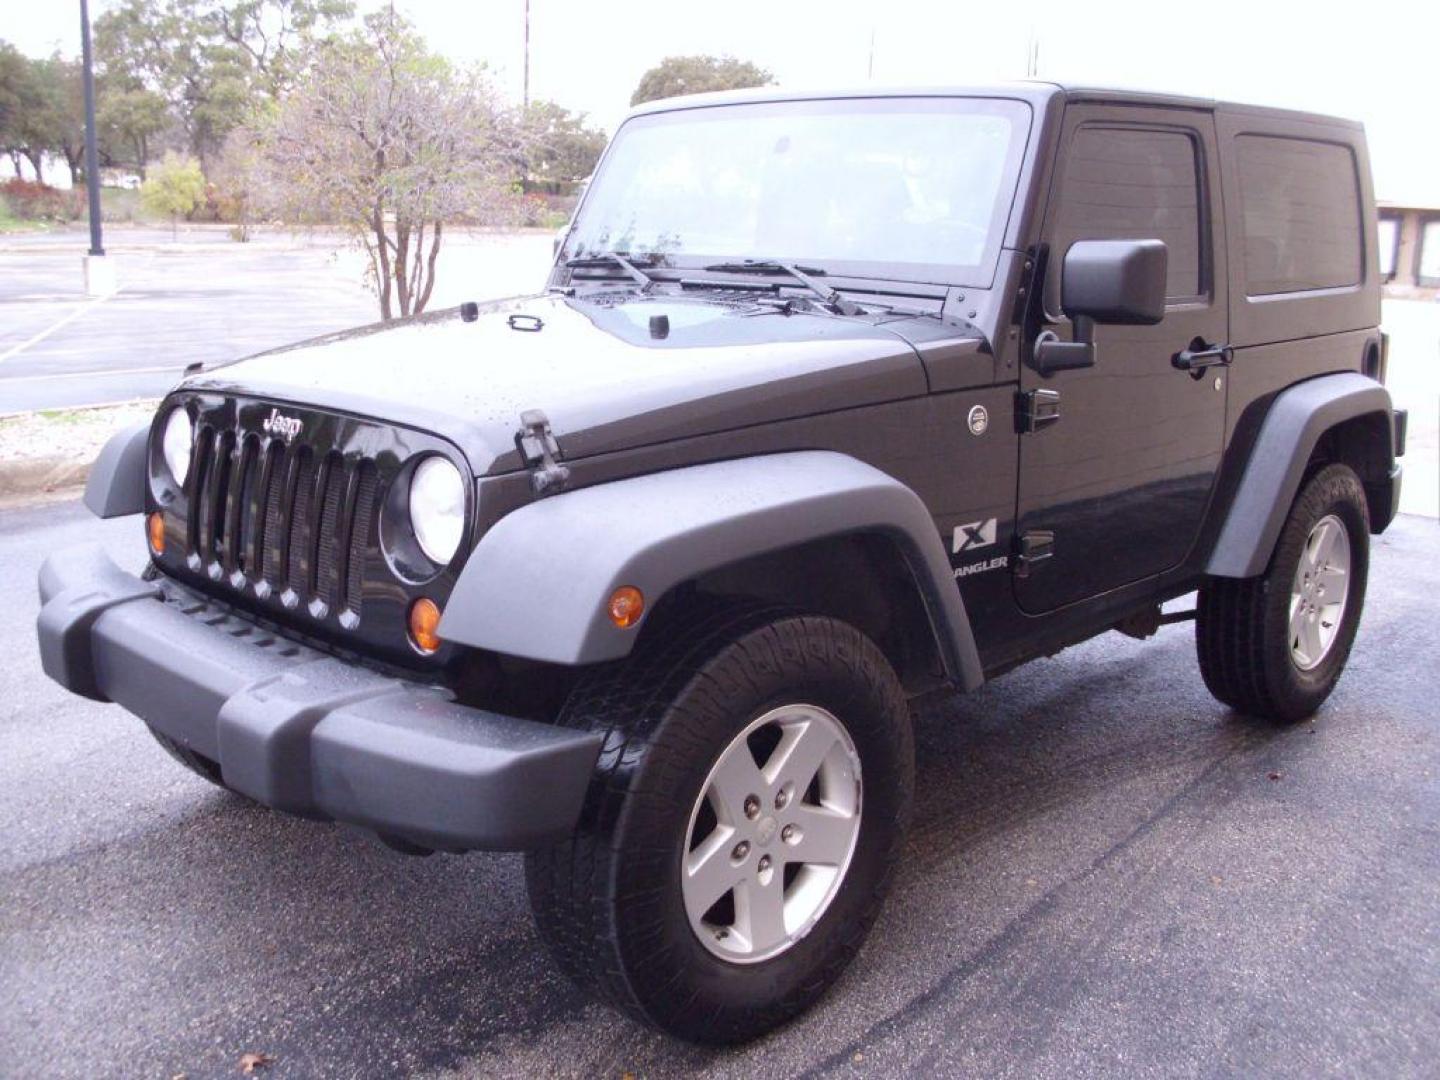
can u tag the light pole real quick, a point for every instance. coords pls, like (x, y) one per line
(99, 272)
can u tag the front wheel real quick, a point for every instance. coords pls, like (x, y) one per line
(1274, 646)
(747, 809)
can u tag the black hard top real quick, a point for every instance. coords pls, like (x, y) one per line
(1038, 93)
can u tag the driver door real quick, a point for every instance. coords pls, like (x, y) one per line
(1115, 490)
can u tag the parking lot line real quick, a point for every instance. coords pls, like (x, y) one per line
(100, 373)
(43, 334)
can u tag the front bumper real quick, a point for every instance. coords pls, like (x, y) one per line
(303, 731)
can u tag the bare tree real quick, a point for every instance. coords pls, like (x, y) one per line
(391, 143)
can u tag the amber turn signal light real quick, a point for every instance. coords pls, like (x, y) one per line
(155, 532)
(424, 622)
(626, 606)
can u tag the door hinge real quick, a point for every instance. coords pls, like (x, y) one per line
(537, 445)
(1031, 547)
(1035, 409)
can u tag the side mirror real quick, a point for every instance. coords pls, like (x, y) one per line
(1119, 282)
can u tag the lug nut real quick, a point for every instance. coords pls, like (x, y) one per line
(741, 850)
(788, 834)
(781, 798)
(764, 863)
(752, 806)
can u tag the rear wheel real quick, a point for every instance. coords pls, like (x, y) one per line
(1275, 646)
(747, 809)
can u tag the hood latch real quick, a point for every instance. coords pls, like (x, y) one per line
(537, 445)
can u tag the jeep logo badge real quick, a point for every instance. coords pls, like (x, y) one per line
(979, 420)
(284, 427)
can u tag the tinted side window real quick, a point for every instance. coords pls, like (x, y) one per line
(1300, 202)
(1133, 184)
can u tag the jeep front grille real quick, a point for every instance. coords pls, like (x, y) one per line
(286, 521)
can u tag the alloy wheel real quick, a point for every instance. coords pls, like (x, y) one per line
(771, 834)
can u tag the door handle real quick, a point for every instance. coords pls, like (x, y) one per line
(1198, 355)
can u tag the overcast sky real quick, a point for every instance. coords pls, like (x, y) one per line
(1376, 62)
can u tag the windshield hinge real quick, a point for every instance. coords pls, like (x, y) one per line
(537, 445)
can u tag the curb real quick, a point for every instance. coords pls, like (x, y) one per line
(28, 476)
(41, 476)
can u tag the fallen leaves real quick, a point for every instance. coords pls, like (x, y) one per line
(249, 1063)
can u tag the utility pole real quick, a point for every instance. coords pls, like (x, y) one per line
(870, 69)
(525, 106)
(99, 273)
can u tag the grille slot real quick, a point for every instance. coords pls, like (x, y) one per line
(237, 495)
(276, 505)
(327, 557)
(364, 508)
(277, 518)
(297, 575)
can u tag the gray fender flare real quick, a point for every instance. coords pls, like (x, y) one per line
(538, 582)
(1296, 420)
(116, 484)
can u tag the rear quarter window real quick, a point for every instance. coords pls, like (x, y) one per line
(1300, 204)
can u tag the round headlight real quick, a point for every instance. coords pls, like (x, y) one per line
(175, 443)
(437, 508)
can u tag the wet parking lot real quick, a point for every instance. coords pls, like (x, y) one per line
(1109, 873)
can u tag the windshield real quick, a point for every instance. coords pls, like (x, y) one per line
(903, 188)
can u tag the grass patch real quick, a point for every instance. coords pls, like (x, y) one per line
(122, 204)
(67, 433)
(9, 223)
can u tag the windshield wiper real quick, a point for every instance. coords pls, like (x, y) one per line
(611, 258)
(802, 274)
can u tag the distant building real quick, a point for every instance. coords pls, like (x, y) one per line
(1410, 248)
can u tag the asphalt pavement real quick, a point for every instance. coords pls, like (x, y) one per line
(203, 298)
(1109, 874)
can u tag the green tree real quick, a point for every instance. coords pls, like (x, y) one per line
(32, 107)
(63, 123)
(677, 75)
(164, 47)
(276, 35)
(42, 110)
(128, 117)
(176, 186)
(391, 143)
(210, 62)
(560, 148)
(14, 94)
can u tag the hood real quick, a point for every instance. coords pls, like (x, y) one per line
(610, 372)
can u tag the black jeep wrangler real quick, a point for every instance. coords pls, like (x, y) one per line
(832, 400)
